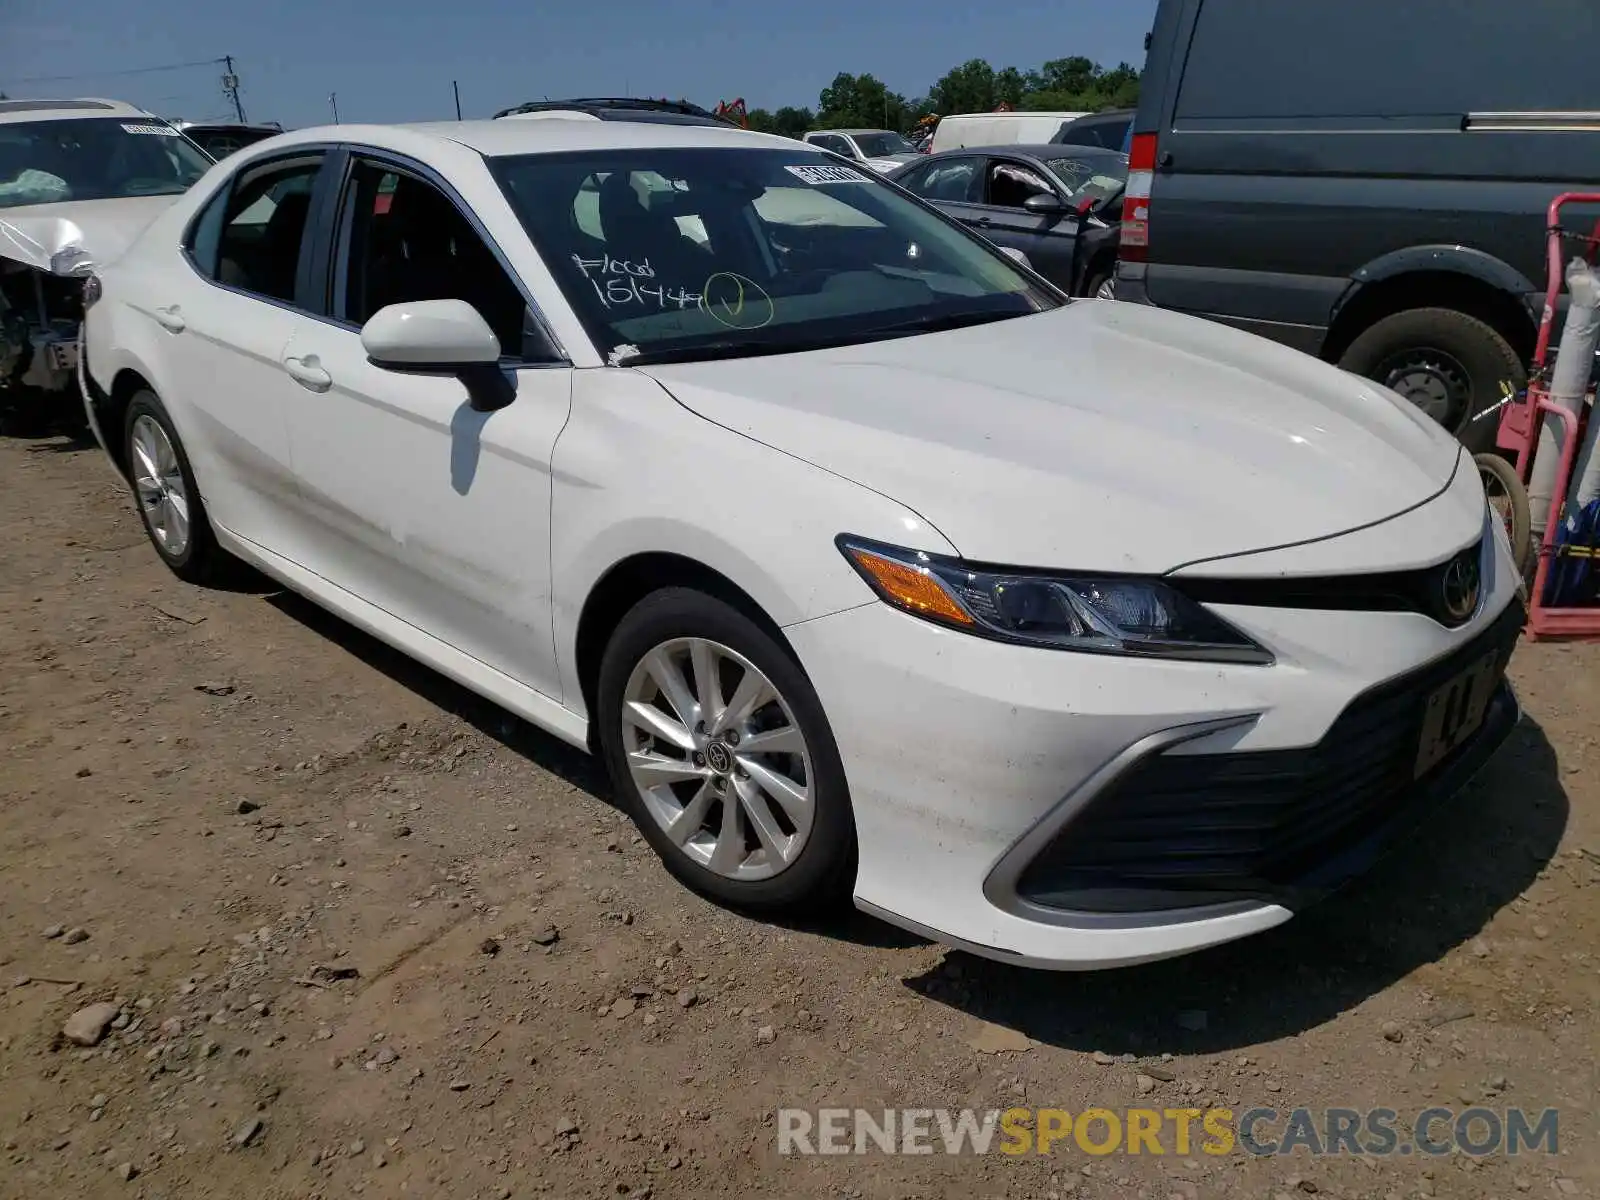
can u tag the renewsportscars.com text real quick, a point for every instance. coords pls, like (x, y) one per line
(1378, 1132)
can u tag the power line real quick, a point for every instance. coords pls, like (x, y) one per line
(183, 66)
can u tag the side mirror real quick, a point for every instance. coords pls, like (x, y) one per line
(1016, 256)
(1107, 209)
(429, 335)
(440, 337)
(1044, 204)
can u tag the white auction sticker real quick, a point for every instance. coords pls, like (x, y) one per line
(156, 130)
(825, 173)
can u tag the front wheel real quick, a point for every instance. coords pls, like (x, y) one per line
(717, 743)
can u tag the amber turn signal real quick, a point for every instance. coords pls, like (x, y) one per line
(911, 588)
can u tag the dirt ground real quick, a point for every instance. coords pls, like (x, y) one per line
(369, 935)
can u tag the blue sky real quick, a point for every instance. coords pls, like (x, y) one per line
(393, 60)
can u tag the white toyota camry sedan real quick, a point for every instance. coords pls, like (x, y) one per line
(1076, 634)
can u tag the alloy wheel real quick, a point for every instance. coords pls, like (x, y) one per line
(158, 482)
(718, 759)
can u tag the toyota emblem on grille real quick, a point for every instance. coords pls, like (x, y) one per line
(1456, 589)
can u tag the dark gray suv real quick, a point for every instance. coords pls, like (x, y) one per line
(1364, 180)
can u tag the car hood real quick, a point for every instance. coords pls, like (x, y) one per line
(1099, 436)
(70, 237)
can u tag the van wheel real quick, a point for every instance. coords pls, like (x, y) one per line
(1448, 364)
(1102, 286)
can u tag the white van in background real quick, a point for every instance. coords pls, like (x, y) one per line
(998, 129)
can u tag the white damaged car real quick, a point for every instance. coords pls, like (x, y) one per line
(1076, 633)
(78, 179)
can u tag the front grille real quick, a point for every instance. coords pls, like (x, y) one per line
(1180, 831)
(1420, 591)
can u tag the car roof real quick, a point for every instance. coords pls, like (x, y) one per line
(1110, 114)
(617, 108)
(270, 126)
(65, 110)
(550, 135)
(1065, 114)
(851, 132)
(1026, 149)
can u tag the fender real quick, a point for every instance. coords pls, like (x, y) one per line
(118, 338)
(746, 498)
(1440, 257)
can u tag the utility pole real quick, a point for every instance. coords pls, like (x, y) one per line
(230, 88)
(456, 88)
(333, 103)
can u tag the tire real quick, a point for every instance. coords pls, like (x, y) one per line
(1449, 364)
(1101, 280)
(739, 869)
(1509, 499)
(198, 559)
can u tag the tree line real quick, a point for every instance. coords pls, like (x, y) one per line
(864, 101)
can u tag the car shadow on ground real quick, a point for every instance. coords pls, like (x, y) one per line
(1479, 852)
(48, 437)
(541, 748)
(488, 718)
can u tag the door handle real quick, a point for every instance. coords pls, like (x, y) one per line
(308, 372)
(170, 318)
(982, 222)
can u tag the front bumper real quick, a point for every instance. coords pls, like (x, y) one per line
(1024, 804)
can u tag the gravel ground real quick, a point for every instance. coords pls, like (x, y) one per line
(356, 931)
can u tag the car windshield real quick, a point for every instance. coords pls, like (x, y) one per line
(219, 141)
(882, 145)
(94, 158)
(1090, 174)
(703, 253)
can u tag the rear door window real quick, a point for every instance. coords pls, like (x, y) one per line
(1282, 59)
(262, 228)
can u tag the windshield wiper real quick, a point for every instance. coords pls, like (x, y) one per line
(754, 347)
(727, 348)
(937, 323)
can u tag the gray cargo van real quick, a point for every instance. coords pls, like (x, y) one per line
(1365, 180)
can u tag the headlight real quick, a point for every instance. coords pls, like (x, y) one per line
(71, 261)
(1102, 615)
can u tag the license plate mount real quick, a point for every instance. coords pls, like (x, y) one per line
(1455, 711)
(64, 356)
